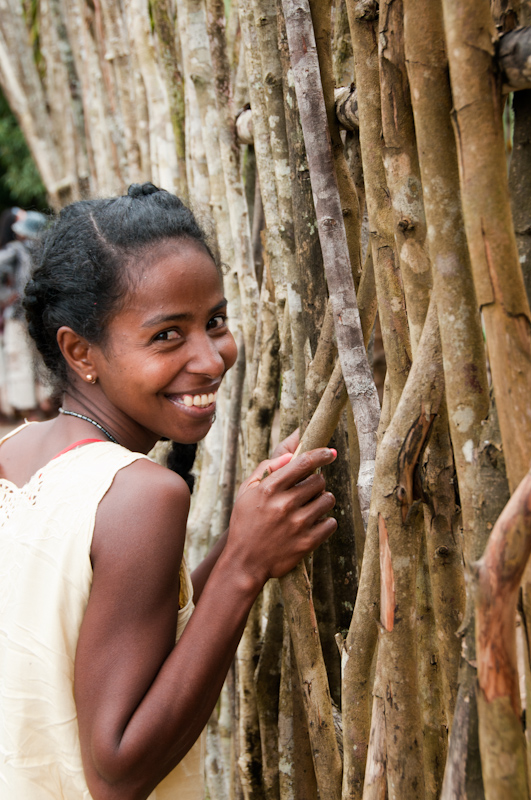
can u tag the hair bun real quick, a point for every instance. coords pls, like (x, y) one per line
(31, 292)
(139, 190)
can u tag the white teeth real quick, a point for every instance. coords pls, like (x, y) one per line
(199, 400)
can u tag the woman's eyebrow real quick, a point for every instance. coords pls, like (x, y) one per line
(160, 319)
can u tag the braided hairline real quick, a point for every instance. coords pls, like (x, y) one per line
(99, 235)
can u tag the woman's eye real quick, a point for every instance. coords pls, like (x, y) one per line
(167, 336)
(217, 322)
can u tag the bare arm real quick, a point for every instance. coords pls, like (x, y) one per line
(201, 574)
(141, 701)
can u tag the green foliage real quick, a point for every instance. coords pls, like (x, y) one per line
(30, 11)
(20, 182)
(151, 16)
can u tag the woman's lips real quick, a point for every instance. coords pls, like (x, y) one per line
(194, 400)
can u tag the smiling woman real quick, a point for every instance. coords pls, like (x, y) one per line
(108, 678)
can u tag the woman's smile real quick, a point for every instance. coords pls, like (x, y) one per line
(196, 405)
(192, 401)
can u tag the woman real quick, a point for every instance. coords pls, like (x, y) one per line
(97, 700)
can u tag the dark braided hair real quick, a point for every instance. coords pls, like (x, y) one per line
(181, 460)
(80, 276)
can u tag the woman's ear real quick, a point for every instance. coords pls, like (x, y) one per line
(77, 354)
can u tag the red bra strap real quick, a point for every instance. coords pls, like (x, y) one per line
(76, 444)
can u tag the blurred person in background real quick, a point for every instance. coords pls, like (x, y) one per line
(20, 395)
(7, 218)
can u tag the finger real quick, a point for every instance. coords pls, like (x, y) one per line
(289, 444)
(278, 462)
(307, 489)
(300, 467)
(322, 531)
(269, 466)
(319, 507)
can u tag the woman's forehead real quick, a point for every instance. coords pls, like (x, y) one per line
(180, 251)
(174, 261)
(174, 277)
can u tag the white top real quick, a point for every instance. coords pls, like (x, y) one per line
(46, 530)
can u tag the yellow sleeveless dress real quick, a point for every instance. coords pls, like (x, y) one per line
(46, 530)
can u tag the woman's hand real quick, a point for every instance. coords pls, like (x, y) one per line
(200, 575)
(279, 514)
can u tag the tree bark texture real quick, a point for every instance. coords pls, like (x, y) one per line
(400, 527)
(354, 363)
(519, 172)
(514, 49)
(391, 304)
(496, 268)
(498, 575)
(402, 169)
(321, 20)
(230, 158)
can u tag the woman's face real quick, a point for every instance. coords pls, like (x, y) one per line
(168, 349)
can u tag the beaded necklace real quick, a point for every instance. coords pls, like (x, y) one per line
(92, 422)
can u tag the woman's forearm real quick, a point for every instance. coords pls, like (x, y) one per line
(181, 699)
(201, 574)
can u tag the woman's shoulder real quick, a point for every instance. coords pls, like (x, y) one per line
(147, 488)
(143, 475)
(146, 507)
(131, 482)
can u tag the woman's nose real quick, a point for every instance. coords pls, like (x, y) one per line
(205, 357)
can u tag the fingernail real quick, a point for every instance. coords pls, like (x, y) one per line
(331, 451)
